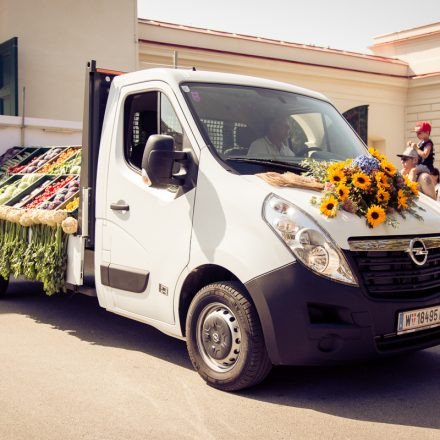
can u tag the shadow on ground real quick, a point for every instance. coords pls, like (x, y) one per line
(82, 317)
(403, 390)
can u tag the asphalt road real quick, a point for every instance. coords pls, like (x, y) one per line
(71, 370)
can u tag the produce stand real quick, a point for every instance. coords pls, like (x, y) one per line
(17, 157)
(28, 190)
(39, 198)
(56, 161)
(29, 195)
(9, 154)
(31, 155)
(15, 186)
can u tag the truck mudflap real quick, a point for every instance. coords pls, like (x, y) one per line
(75, 260)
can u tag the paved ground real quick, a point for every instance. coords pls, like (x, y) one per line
(71, 370)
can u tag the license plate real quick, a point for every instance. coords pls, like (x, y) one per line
(419, 319)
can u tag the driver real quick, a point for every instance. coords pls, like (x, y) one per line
(274, 144)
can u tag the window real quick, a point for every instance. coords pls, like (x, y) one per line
(311, 127)
(9, 78)
(140, 123)
(245, 122)
(146, 114)
(169, 124)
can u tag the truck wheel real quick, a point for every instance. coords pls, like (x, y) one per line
(224, 338)
(3, 285)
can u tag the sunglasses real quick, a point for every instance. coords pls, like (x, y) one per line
(404, 159)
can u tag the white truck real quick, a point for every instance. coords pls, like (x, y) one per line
(177, 231)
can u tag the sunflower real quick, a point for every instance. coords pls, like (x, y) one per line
(375, 215)
(336, 176)
(376, 154)
(342, 191)
(382, 196)
(402, 200)
(382, 179)
(361, 180)
(329, 206)
(388, 167)
(413, 186)
(407, 180)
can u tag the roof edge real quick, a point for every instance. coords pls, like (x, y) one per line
(221, 51)
(270, 41)
(403, 39)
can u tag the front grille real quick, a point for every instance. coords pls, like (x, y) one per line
(391, 274)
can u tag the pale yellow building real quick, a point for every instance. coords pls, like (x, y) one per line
(56, 38)
(400, 82)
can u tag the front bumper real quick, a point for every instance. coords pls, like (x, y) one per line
(311, 320)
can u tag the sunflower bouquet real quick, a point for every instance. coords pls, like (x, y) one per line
(368, 186)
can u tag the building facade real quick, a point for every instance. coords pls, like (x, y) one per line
(396, 83)
(400, 82)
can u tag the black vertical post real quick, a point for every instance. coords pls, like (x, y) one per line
(97, 88)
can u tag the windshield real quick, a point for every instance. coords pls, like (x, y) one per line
(255, 124)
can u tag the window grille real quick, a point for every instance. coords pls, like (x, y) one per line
(234, 131)
(136, 135)
(215, 132)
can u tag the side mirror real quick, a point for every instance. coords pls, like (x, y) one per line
(159, 159)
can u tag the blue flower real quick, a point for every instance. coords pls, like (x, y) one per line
(367, 164)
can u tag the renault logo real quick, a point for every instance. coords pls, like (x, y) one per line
(417, 251)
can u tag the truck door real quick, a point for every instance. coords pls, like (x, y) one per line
(147, 231)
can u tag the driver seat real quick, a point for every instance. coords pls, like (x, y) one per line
(244, 136)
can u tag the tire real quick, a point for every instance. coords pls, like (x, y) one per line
(3, 285)
(224, 338)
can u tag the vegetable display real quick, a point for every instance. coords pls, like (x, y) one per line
(34, 232)
(71, 206)
(32, 194)
(40, 255)
(61, 158)
(7, 192)
(37, 162)
(70, 166)
(48, 193)
(14, 160)
(8, 155)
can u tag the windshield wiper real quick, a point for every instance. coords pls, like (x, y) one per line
(280, 163)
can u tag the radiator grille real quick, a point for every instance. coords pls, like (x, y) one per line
(391, 274)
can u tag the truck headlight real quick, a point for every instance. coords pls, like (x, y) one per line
(308, 242)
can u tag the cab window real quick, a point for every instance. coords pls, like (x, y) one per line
(146, 114)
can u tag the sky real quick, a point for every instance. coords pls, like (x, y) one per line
(339, 24)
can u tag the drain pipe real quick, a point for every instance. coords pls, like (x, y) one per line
(22, 128)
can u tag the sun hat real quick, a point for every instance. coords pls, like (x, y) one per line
(409, 152)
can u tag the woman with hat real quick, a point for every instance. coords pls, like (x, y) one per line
(417, 173)
(425, 148)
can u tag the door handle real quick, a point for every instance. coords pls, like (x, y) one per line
(119, 207)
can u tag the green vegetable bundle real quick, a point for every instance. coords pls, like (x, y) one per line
(38, 252)
(33, 243)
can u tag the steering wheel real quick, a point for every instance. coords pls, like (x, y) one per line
(312, 149)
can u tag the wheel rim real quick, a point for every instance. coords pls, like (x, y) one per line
(218, 337)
